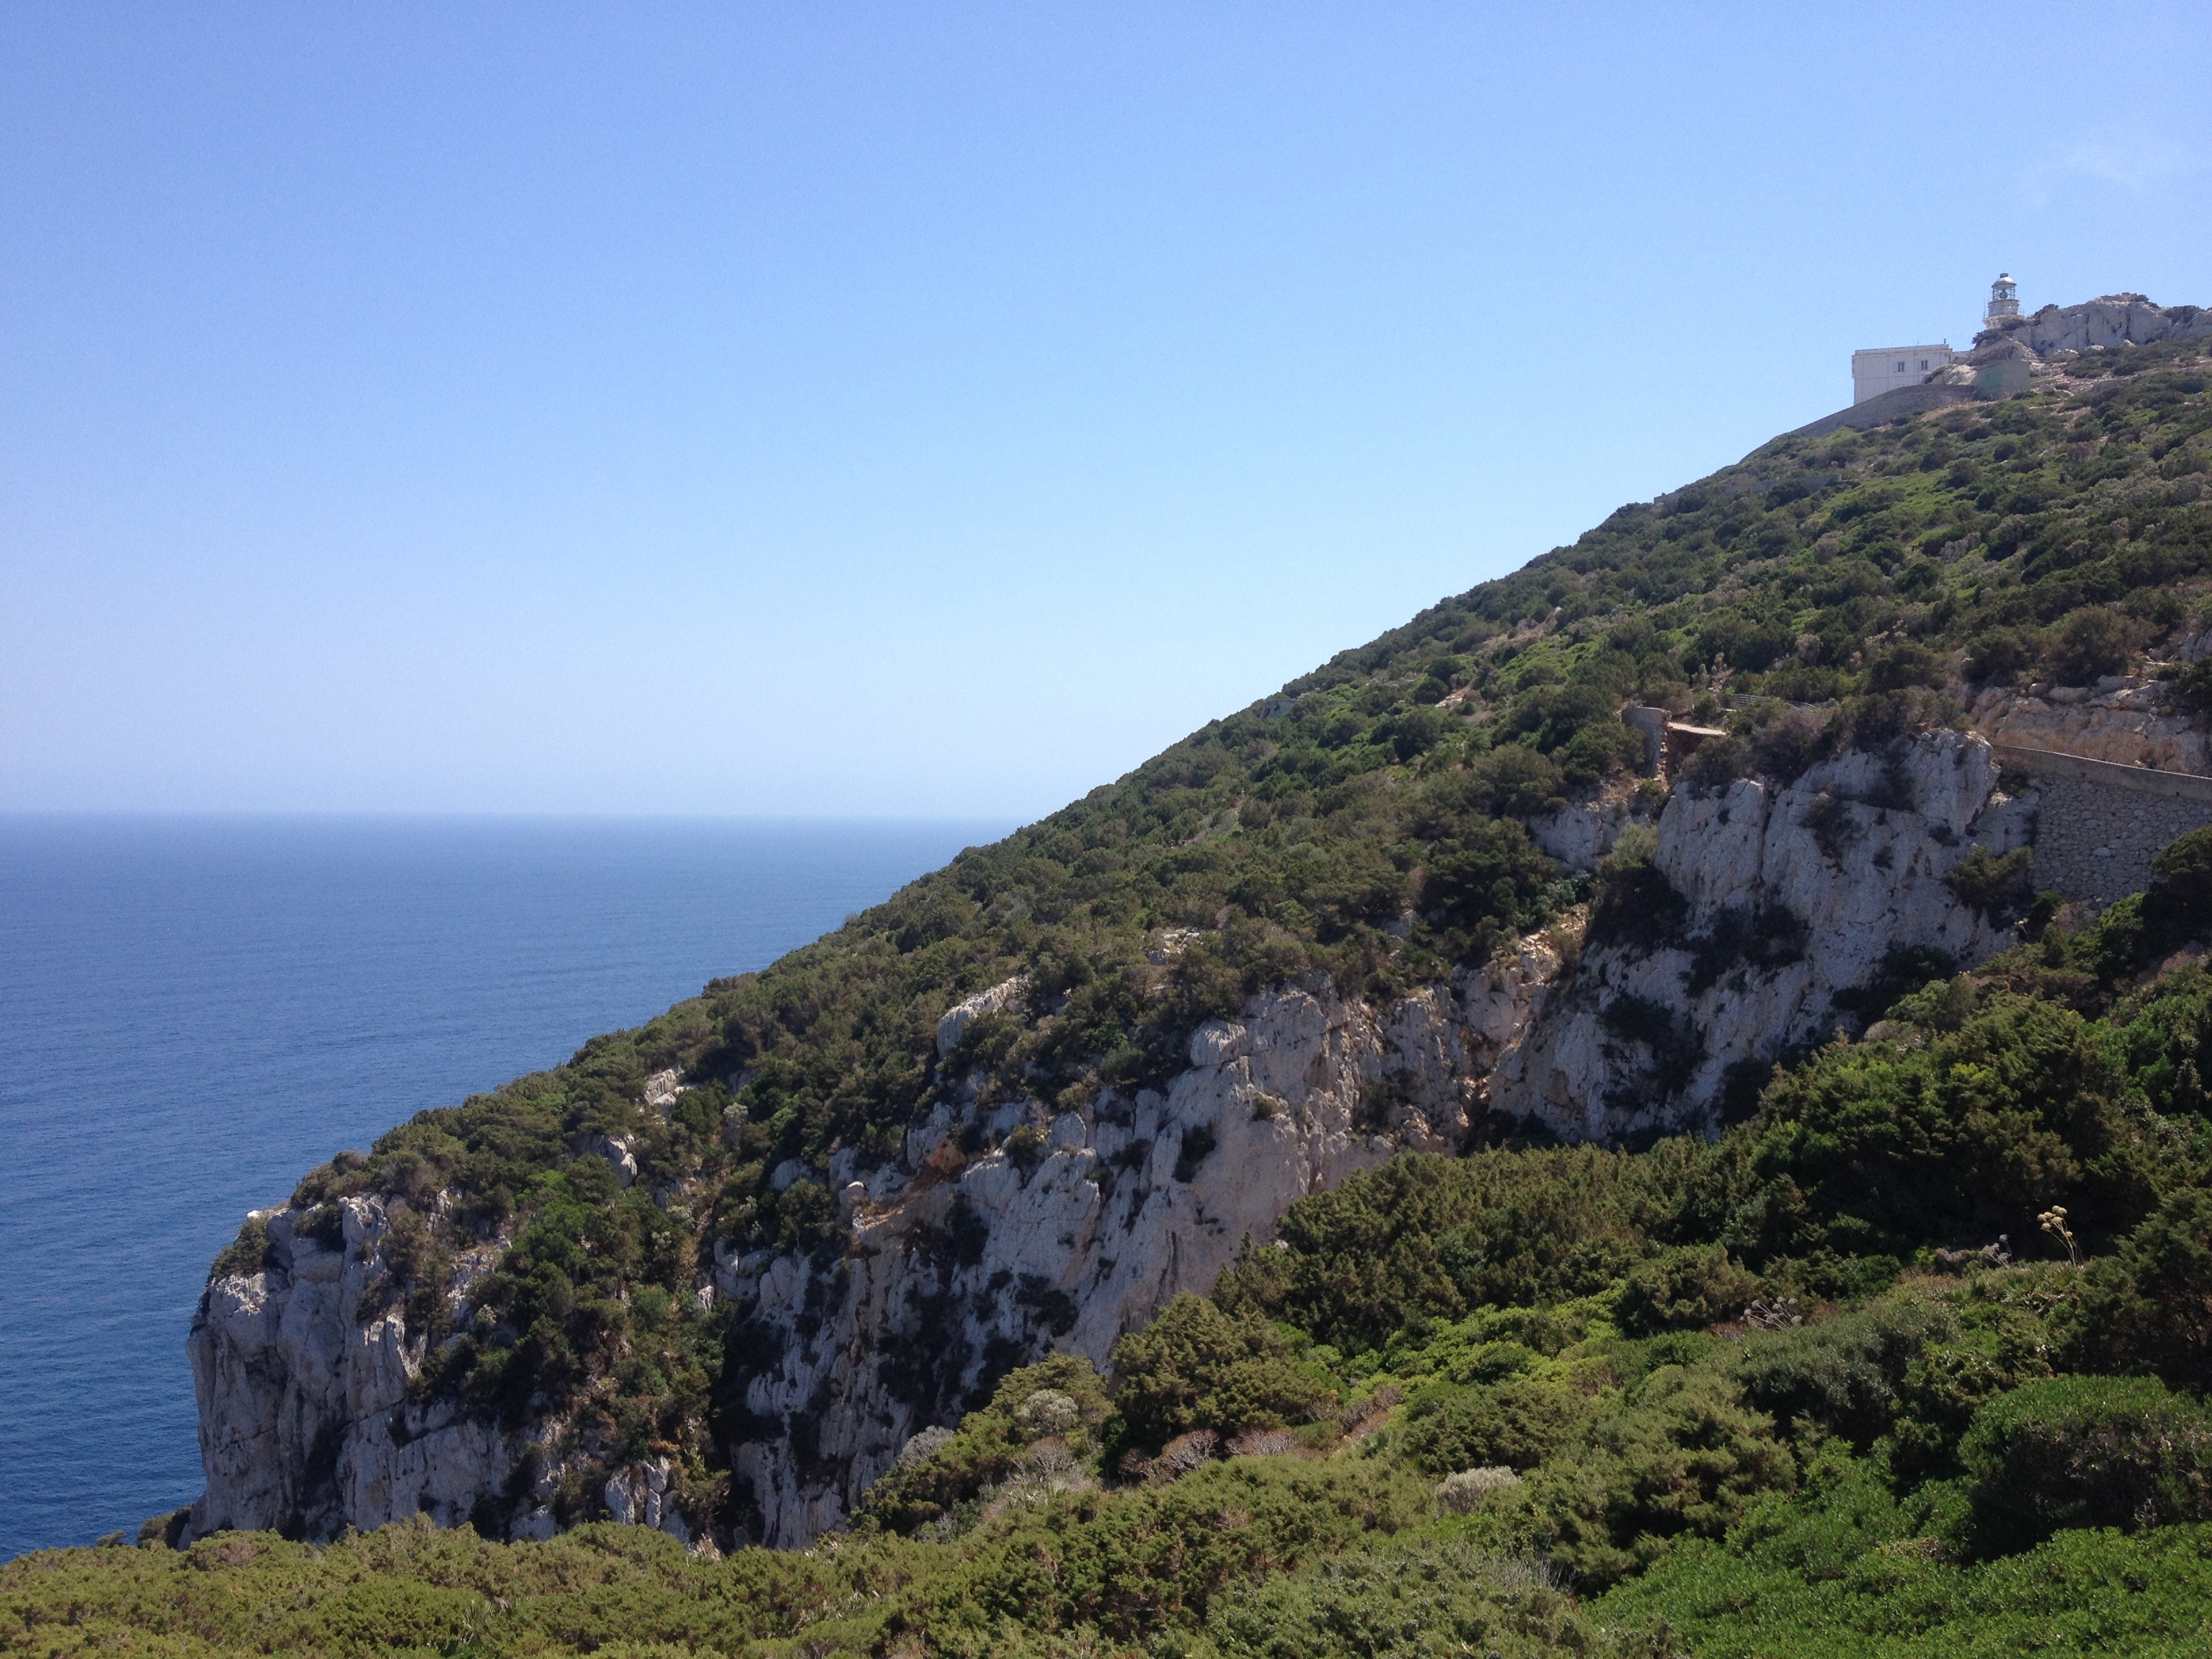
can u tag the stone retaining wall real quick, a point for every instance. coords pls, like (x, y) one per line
(1879, 411)
(2098, 824)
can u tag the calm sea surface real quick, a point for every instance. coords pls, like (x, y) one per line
(195, 1011)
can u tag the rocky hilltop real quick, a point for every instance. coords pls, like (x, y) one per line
(2109, 321)
(714, 1275)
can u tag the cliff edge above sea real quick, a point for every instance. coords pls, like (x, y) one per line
(1659, 1104)
(714, 1274)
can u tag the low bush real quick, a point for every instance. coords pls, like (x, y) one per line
(1044, 1419)
(244, 1254)
(2183, 869)
(1196, 1367)
(1465, 1491)
(1139, 1563)
(1845, 1572)
(1684, 1288)
(2148, 1306)
(1998, 888)
(1405, 1600)
(2090, 643)
(1873, 1147)
(1515, 1423)
(2085, 1451)
(1841, 1377)
(1684, 1460)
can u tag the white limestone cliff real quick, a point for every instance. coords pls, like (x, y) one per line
(1070, 1236)
(302, 1382)
(1792, 895)
(303, 1372)
(1006, 1229)
(1063, 1242)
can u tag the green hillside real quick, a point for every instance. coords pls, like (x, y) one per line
(1744, 1397)
(2051, 535)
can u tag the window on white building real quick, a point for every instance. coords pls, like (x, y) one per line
(1900, 369)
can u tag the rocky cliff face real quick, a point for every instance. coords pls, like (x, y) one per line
(2123, 719)
(2112, 320)
(308, 1423)
(1006, 1230)
(1072, 1229)
(1066, 1237)
(1787, 897)
(302, 1375)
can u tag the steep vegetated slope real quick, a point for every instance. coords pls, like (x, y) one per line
(1293, 1018)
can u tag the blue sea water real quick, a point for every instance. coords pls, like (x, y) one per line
(193, 1013)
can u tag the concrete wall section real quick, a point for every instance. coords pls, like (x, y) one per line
(2046, 763)
(2099, 825)
(1905, 400)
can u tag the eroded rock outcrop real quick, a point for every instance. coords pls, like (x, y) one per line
(1006, 1227)
(2111, 320)
(310, 1421)
(302, 1375)
(1788, 897)
(1578, 835)
(1059, 1232)
(1078, 1225)
(2123, 718)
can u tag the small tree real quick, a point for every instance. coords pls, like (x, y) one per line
(1196, 1368)
(1997, 887)
(2091, 643)
(2085, 1451)
(1685, 1289)
(2183, 869)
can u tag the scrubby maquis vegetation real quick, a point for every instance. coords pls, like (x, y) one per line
(1487, 1401)
(1527, 1401)
(2002, 1455)
(1366, 823)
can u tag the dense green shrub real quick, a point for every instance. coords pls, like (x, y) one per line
(1999, 655)
(2148, 1306)
(1634, 903)
(2091, 642)
(1870, 1147)
(1840, 1572)
(1427, 1238)
(1683, 1289)
(2000, 888)
(1948, 1382)
(1515, 1423)
(1842, 1375)
(2085, 1451)
(1044, 1419)
(1196, 1367)
(1716, 764)
(1403, 1600)
(1138, 1563)
(1684, 1459)
(244, 1254)
(2162, 1040)
(2183, 869)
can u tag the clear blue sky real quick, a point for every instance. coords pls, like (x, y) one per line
(931, 408)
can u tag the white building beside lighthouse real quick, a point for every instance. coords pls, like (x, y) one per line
(1884, 369)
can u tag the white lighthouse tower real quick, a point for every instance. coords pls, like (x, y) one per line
(2004, 302)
